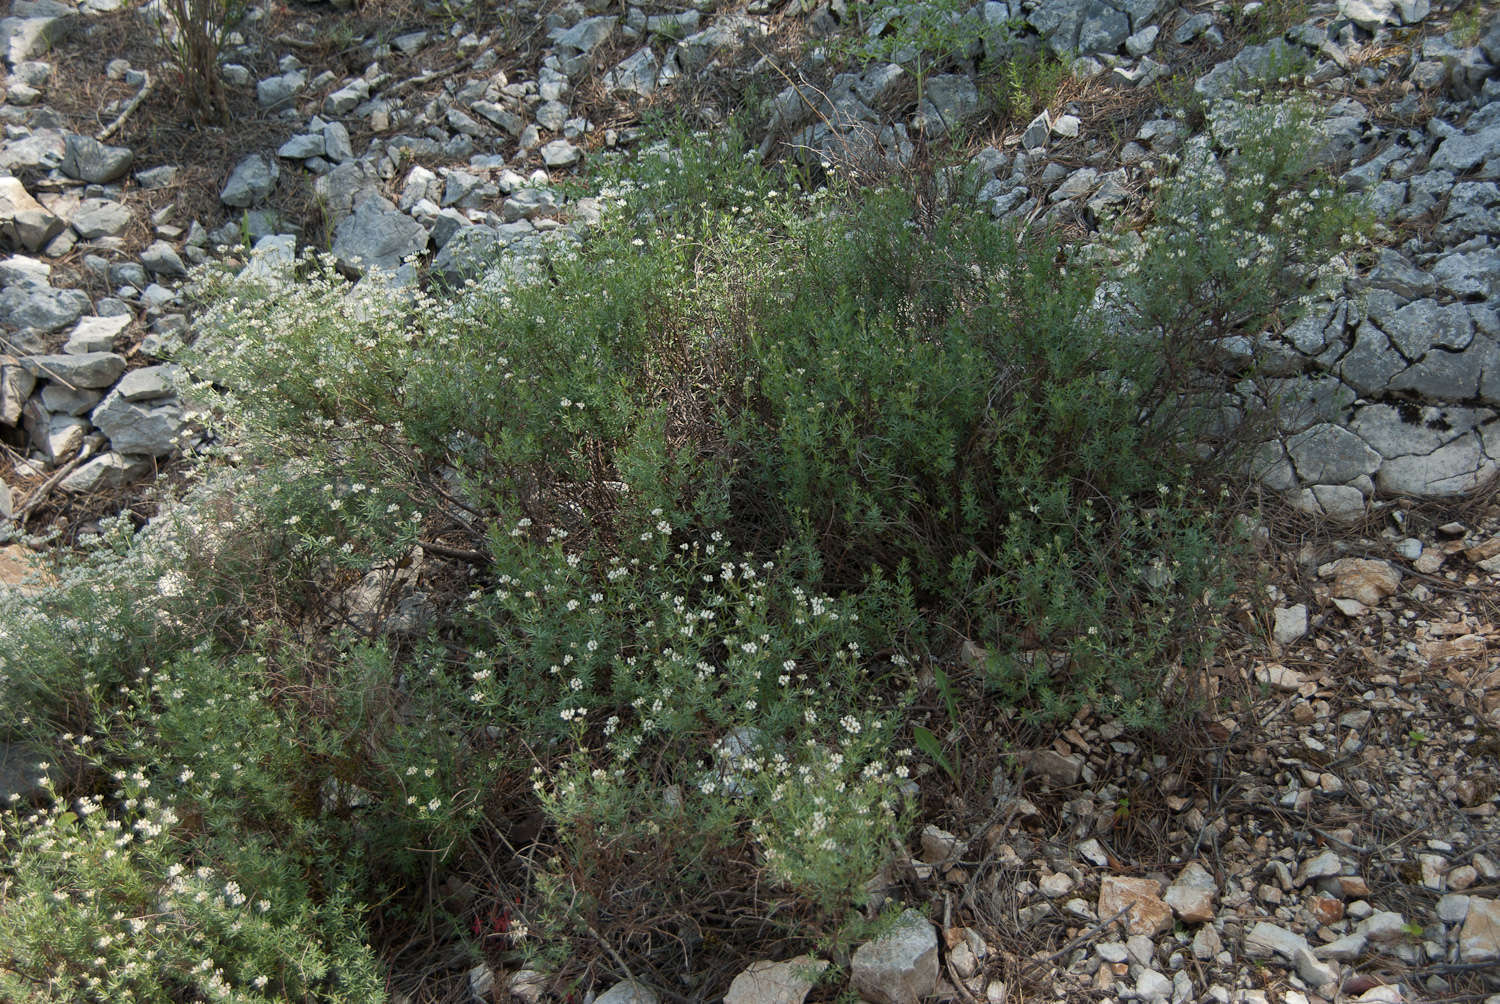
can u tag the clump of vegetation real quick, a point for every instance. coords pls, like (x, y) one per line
(646, 545)
(193, 33)
(920, 35)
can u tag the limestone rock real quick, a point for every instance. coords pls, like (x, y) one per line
(112, 470)
(636, 74)
(627, 993)
(91, 369)
(378, 236)
(1191, 895)
(1479, 941)
(776, 982)
(1290, 624)
(95, 334)
(41, 308)
(467, 253)
(252, 179)
(87, 159)
(1146, 913)
(24, 222)
(901, 966)
(1331, 454)
(1367, 580)
(147, 428)
(560, 153)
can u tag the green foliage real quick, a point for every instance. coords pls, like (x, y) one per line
(689, 498)
(1026, 82)
(1468, 24)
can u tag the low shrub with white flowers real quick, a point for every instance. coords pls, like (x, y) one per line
(584, 612)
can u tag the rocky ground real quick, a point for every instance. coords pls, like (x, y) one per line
(1331, 836)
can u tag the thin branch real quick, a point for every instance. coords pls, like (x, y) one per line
(128, 110)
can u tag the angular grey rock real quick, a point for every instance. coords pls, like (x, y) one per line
(636, 74)
(19, 270)
(378, 236)
(1385, 927)
(587, 35)
(39, 152)
(551, 115)
(1394, 273)
(41, 308)
(899, 967)
(161, 258)
(89, 370)
(768, 982)
(1266, 940)
(1060, 771)
(273, 92)
(1452, 908)
(336, 145)
(95, 334)
(1254, 63)
(1462, 151)
(1104, 29)
(1469, 274)
(1439, 375)
(59, 437)
(1421, 324)
(252, 179)
(154, 179)
(464, 189)
(628, 993)
(341, 189)
(1368, 14)
(147, 429)
(726, 32)
(1340, 503)
(24, 222)
(62, 400)
(560, 153)
(1329, 454)
(469, 252)
(346, 98)
(500, 116)
(87, 159)
(527, 203)
(97, 218)
(1080, 182)
(1369, 366)
(149, 383)
(302, 146)
(461, 122)
(1193, 26)
(1456, 468)
(1191, 894)
(24, 37)
(112, 470)
(1345, 949)
(1152, 986)
(16, 385)
(1322, 865)
(948, 100)
(1142, 42)
(1037, 131)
